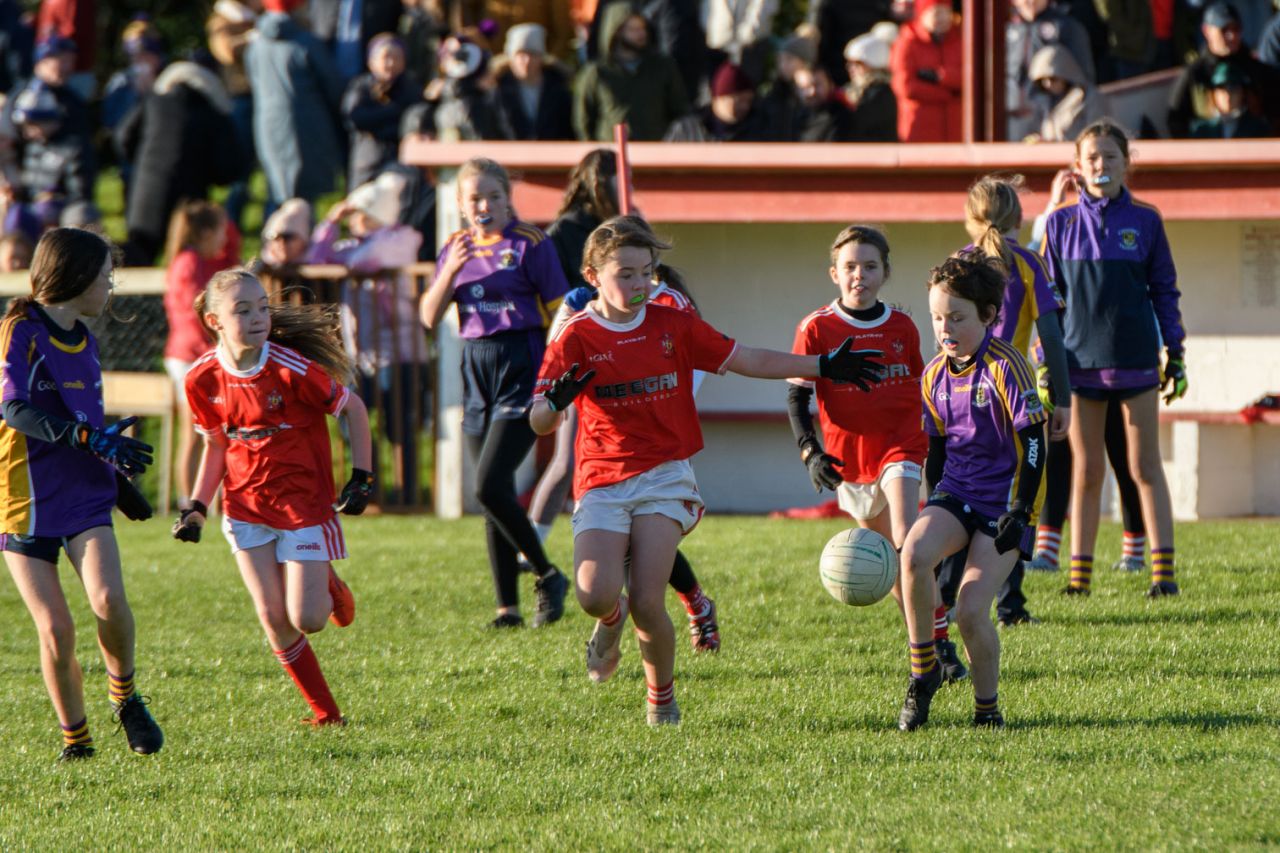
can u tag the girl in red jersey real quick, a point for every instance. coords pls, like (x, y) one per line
(260, 399)
(638, 427)
(872, 449)
(202, 241)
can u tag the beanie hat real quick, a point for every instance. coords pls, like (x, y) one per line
(527, 37)
(380, 198)
(293, 218)
(801, 48)
(461, 58)
(729, 79)
(54, 45)
(868, 49)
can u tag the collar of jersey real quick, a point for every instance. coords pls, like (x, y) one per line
(977, 357)
(489, 241)
(855, 322)
(230, 366)
(617, 327)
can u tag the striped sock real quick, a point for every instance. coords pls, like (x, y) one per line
(986, 706)
(940, 630)
(923, 659)
(1081, 570)
(120, 688)
(1135, 546)
(77, 734)
(613, 618)
(695, 603)
(1048, 542)
(300, 662)
(662, 695)
(1161, 564)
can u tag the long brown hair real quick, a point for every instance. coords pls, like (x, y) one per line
(313, 330)
(589, 187)
(992, 208)
(191, 221)
(66, 262)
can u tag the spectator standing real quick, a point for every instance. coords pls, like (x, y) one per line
(228, 31)
(347, 27)
(373, 106)
(1190, 97)
(1036, 24)
(1235, 120)
(535, 93)
(1070, 102)
(839, 22)
(781, 102)
(824, 117)
(126, 88)
(465, 104)
(675, 31)
(75, 20)
(181, 142)
(926, 63)
(421, 30)
(297, 94)
(738, 31)
(631, 82)
(870, 92)
(732, 115)
(1131, 37)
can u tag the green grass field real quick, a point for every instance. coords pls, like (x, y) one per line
(1132, 724)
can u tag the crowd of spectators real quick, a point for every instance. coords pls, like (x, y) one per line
(319, 94)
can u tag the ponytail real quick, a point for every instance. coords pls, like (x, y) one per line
(991, 209)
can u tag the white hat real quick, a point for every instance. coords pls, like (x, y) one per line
(292, 217)
(380, 198)
(528, 37)
(871, 51)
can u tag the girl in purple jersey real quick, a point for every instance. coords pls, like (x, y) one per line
(986, 456)
(506, 279)
(60, 477)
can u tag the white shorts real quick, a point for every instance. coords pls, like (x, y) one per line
(864, 501)
(669, 489)
(321, 543)
(178, 370)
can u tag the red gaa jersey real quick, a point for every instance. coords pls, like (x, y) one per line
(279, 466)
(638, 411)
(868, 430)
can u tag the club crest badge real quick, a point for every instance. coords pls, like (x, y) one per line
(898, 347)
(274, 400)
(668, 346)
(507, 259)
(1129, 239)
(981, 398)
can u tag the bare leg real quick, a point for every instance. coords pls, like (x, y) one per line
(983, 576)
(307, 599)
(1088, 425)
(96, 558)
(37, 583)
(654, 539)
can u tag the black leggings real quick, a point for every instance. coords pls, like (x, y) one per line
(1057, 495)
(497, 454)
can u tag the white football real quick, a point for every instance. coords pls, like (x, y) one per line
(858, 566)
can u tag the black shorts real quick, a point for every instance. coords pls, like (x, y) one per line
(973, 521)
(498, 375)
(37, 547)
(1111, 395)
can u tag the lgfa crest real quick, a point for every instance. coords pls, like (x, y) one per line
(981, 398)
(274, 400)
(507, 259)
(1129, 239)
(668, 346)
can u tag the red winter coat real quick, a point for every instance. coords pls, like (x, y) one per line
(927, 112)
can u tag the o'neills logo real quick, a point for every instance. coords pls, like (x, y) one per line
(637, 387)
(309, 546)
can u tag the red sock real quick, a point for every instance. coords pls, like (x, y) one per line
(300, 662)
(695, 603)
(940, 629)
(662, 695)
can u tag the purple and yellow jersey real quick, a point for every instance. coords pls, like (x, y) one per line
(1029, 293)
(979, 411)
(47, 489)
(512, 282)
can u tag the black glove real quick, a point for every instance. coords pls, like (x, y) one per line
(846, 364)
(1009, 530)
(561, 392)
(185, 529)
(355, 494)
(127, 455)
(131, 502)
(822, 467)
(928, 75)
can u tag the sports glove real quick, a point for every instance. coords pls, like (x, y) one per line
(131, 502)
(127, 455)
(928, 75)
(846, 364)
(185, 529)
(1009, 530)
(1045, 389)
(578, 298)
(822, 467)
(355, 494)
(562, 391)
(1174, 380)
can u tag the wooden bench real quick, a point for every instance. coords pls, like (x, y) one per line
(146, 395)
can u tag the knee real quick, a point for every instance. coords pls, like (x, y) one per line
(594, 598)
(491, 493)
(1089, 473)
(970, 614)
(647, 611)
(916, 567)
(110, 606)
(308, 619)
(58, 635)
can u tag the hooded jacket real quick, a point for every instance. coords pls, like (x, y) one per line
(1023, 40)
(1080, 106)
(647, 97)
(927, 111)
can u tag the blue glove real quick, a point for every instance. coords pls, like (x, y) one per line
(127, 455)
(578, 298)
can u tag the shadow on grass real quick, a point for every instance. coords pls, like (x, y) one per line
(1153, 616)
(1201, 722)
